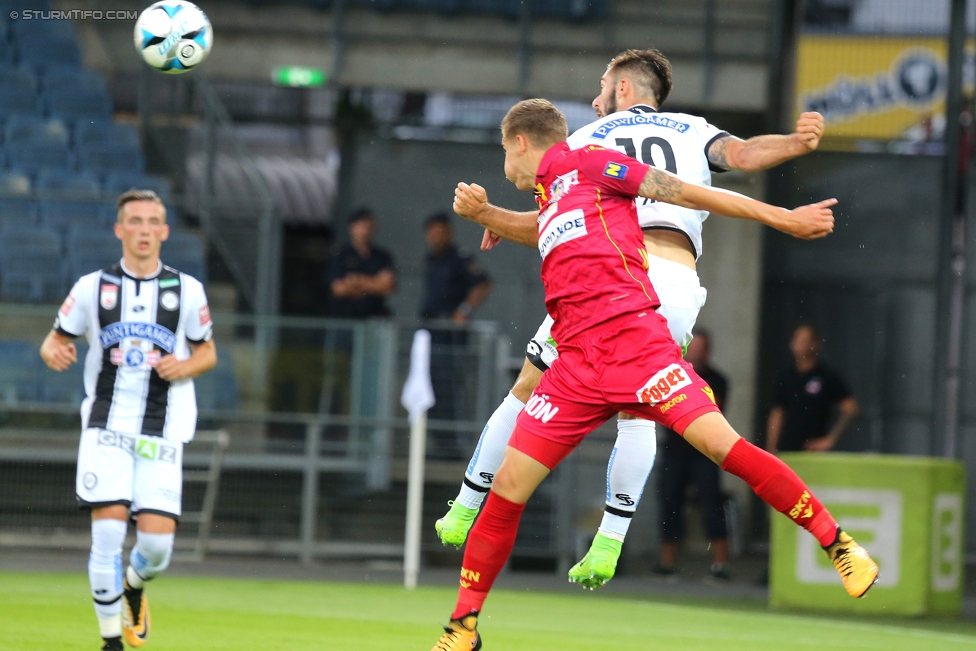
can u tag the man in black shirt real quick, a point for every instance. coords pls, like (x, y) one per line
(361, 275)
(681, 464)
(454, 285)
(806, 395)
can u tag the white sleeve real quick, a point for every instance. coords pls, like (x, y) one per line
(196, 321)
(579, 137)
(74, 316)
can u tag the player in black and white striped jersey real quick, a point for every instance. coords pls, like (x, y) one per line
(150, 334)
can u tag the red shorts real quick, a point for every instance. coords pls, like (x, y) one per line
(630, 364)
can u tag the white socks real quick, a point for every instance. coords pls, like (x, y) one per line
(149, 557)
(630, 464)
(490, 452)
(105, 574)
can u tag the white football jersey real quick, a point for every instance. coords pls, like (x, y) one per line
(676, 142)
(130, 323)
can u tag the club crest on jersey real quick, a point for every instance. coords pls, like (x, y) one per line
(562, 185)
(615, 170)
(169, 300)
(663, 385)
(109, 297)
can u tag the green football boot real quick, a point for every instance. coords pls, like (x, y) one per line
(599, 564)
(453, 528)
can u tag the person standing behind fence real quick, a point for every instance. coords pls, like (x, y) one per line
(361, 275)
(454, 286)
(681, 465)
(150, 333)
(806, 395)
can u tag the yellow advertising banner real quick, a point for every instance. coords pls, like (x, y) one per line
(874, 87)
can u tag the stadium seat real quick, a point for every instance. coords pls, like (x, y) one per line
(6, 51)
(60, 76)
(39, 155)
(88, 261)
(76, 184)
(188, 264)
(14, 183)
(73, 104)
(64, 214)
(119, 182)
(111, 157)
(50, 30)
(31, 266)
(105, 131)
(18, 371)
(17, 210)
(11, 77)
(217, 389)
(18, 100)
(66, 387)
(38, 52)
(22, 128)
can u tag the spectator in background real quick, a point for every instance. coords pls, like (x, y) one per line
(806, 395)
(361, 275)
(681, 465)
(454, 285)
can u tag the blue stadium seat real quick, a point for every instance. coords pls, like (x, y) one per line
(111, 157)
(18, 78)
(76, 184)
(22, 128)
(87, 261)
(217, 389)
(18, 100)
(57, 30)
(59, 76)
(7, 52)
(38, 51)
(31, 266)
(66, 387)
(17, 210)
(105, 131)
(18, 361)
(39, 155)
(14, 183)
(73, 103)
(64, 214)
(119, 182)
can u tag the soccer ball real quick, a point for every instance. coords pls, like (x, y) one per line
(173, 36)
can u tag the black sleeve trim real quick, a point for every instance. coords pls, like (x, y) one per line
(708, 145)
(64, 333)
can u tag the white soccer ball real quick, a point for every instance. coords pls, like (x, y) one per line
(173, 36)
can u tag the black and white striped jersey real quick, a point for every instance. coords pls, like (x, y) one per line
(130, 323)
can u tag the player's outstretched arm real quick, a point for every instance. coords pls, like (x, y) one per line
(471, 202)
(806, 222)
(203, 358)
(763, 152)
(58, 351)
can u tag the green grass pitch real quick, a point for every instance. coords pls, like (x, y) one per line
(41, 612)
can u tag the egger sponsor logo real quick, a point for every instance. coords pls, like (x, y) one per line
(663, 385)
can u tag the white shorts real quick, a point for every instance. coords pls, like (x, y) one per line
(144, 473)
(682, 298)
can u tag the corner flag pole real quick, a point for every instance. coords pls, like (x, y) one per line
(417, 398)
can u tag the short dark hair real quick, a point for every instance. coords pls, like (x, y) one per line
(137, 195)
(437, 218)
(360, 214)
(810, 325)
(538, 120)
(648, 70)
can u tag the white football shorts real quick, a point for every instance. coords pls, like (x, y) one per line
(144, 473)
(682, 298)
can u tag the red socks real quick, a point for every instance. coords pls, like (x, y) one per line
(782, 489)
(489, 546)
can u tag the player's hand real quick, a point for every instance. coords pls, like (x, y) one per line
(469, 200)
(810, 129)
(809, 222)
(60, 356)
(822, 444)
(170, 369)
(489, 240)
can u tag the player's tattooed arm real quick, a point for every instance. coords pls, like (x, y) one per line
(471, 202)
(806, 222)
(762, 152)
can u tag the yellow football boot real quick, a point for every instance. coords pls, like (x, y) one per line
(460, 635)
(135, 616)
(856, 569)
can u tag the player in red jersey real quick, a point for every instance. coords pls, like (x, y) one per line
(616, 352)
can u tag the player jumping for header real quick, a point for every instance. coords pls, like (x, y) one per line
(633, 88)
(150, 333)
(616, 352)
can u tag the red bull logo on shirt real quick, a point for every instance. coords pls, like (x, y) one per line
(663, 385)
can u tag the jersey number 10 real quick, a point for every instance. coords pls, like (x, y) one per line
(647, 153)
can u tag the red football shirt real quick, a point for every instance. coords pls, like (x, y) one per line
(593, 256)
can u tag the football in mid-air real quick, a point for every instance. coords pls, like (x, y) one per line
(173, 36)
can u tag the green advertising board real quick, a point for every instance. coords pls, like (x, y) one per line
(906, 511)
